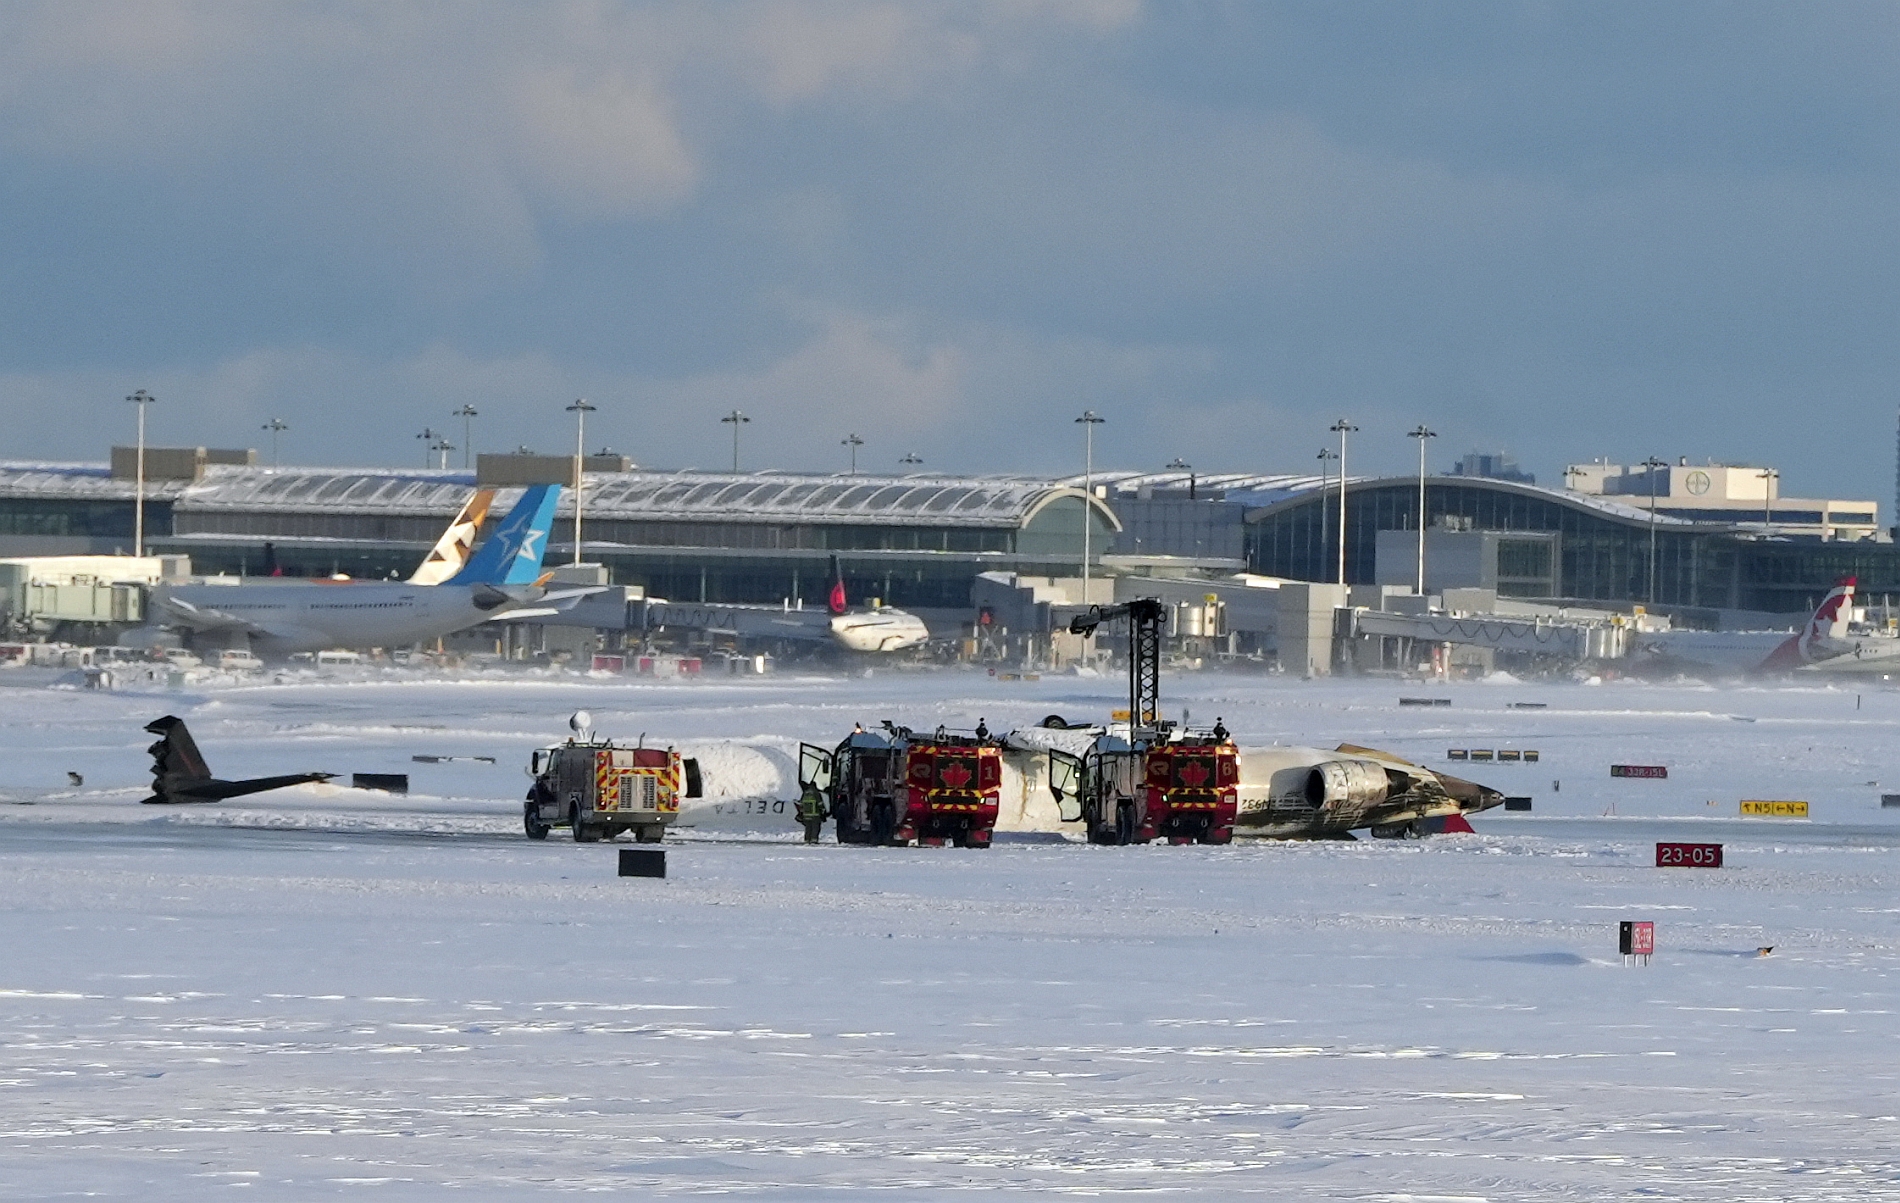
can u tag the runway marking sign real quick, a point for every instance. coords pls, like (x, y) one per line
(1636, 939)
(1761, 809)
(1650, 772)
(1688, 856)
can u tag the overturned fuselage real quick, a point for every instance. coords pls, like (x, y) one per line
(1310, 793)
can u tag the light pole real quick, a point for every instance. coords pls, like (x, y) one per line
(1089, 421)
(428, 437)
(580, 409)
(1652, 463)
(442, 447)
(141, 398)
(1421, 434)
(1768, 478)
(1342, 428)
(912, 459)
(275, 425)
(1177, 464)
(467, 413)
(1325, 483)
(737, 420)
(854, 442)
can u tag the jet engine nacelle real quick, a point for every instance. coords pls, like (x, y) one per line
(1346, 785)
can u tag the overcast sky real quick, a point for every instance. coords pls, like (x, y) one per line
(1565, 231)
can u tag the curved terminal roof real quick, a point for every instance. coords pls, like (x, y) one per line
(765, 497)
(1264, 494)
(786, 497)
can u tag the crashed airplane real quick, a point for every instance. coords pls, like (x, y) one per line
(179, 772)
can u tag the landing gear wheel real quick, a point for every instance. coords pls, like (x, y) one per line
(531, 822)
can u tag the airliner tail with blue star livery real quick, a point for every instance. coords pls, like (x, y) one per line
(502, 579)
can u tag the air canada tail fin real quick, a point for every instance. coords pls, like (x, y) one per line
(512, 555)
(836, 602)
(451, 551)
(175, 757)
(1829, 622)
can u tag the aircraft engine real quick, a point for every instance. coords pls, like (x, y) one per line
(1353, 784)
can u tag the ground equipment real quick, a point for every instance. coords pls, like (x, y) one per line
(598, 789)
(894, 785)
(1154, 783)
(1181, 787)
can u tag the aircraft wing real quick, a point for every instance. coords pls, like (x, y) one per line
(207, 618)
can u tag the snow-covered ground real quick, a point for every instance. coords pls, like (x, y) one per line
(323, 992)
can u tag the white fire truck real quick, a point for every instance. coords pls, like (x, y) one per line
(598, 789)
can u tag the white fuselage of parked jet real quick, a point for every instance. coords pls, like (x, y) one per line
(283, 617)
(879, 630)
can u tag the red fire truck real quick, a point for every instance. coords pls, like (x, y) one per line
(893, 786)
(1183, 788)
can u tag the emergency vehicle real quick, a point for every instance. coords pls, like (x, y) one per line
(893, 786)
(598, 789)
(1182, 787)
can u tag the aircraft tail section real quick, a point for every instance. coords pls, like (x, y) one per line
(836, 603)
(1828, 624)
(179, 772)
(451, 551)
(512, 555)
(175, 757)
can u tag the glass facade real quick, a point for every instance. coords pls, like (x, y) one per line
(1599, 556)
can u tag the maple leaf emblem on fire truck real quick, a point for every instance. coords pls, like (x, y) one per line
(1193, 774)
(955, 775)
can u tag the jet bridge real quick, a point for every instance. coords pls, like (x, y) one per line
(1568, 640)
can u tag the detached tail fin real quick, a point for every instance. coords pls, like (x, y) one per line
(451, 551)
(175, 757)
(512, 555)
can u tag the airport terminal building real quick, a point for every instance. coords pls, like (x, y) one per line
(919, 541)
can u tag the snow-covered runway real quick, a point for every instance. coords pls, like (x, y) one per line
(403, 998)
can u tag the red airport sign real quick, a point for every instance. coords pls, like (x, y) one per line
(1636, 939)
(1688, 856)
(1653, 772)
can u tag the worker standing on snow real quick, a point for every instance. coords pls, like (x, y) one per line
(811, 813)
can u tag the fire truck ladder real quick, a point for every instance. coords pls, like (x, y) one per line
(1144, 615)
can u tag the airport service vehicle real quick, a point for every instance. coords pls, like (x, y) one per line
(1177, 786)
(598, 789)
(1154, 782)
(892, 786)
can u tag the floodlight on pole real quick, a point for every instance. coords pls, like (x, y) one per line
(1089, 421)
(912, 459)
(428, 436)
(1342, 428)
(736, 419)
(854, 442)
(1325, 483)
(1768, 478)
(1652, 463)
(442, 447)
(141, 398)
(580, 409)
(468, 413)
(1421, 434)
(275, 426)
